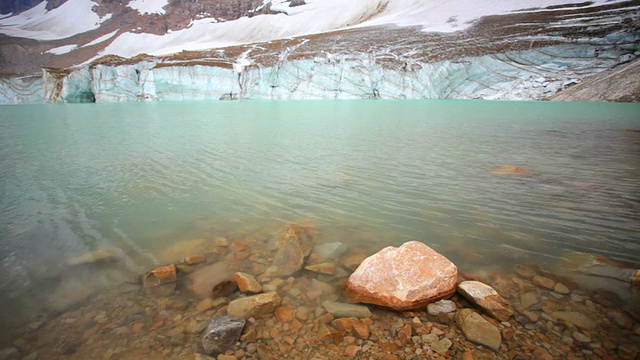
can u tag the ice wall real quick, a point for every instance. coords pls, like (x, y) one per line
(524, 75)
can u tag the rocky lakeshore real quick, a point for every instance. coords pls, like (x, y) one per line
(287, 296)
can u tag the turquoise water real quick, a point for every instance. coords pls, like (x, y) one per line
(141, 176)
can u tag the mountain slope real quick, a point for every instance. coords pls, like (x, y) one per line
(396, 35)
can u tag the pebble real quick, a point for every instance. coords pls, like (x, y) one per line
(581, 337)
(441, 306)
(561, 288)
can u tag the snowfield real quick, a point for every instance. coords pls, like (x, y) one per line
(317, 16)
(71, 18)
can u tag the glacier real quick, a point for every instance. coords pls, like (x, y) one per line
(532, 74)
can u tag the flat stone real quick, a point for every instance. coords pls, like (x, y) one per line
(98, 256)
(330, 250)
(354, 260)
(323, 268)
(254, 305)
(524, 272)
(478, 330)
(222, 333)
(160, 276)
(529, 299)
(441, 306)
(196, 327)
(441, 346)
(404, 278)
(205, 305)
(544, 282)
(486, 298)
(338, 309)
(247, 283)
(581, 337)
(575, 318)
(181, 249)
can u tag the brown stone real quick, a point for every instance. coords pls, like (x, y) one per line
(323, 268)
(205, 305)
(544, 282)
(486, 298)
(292, 248)
(160, 276)
(224, 288)
(254, 305)
(247, 283)
(478, 330)
(193, 259)
(404, 278)
(285, 315)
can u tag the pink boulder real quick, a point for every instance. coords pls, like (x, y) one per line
(404, 278)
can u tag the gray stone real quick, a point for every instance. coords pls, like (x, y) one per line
(478, 330)
(486, 298)
(575, 318)
(222, 332)
(441, 306)
(340, 310)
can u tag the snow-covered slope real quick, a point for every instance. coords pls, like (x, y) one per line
(71, 18)
(316, 16)
(140, 50)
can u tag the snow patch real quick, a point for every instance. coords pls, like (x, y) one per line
(149, 6)
(101, 39)
(62, 49)
(71, 18)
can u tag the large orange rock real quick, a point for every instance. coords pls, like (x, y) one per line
(404, 278)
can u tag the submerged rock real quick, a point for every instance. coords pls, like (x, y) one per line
(291, 250)
(254, 305)
(222, 332)
(341, 310)
(160, 276)
(98, 256)
(247, 283)
(404, 278)
(330, 250)
(507, 170)
(478, 330)
(202, 281)
(486, 298)
(575, 318)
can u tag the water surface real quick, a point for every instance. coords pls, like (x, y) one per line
(142, 176)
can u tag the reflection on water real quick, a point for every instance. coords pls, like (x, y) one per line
(487, 184)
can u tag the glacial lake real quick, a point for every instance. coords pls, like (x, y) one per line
(487, 184)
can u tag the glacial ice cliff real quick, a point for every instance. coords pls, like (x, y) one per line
(519, 75)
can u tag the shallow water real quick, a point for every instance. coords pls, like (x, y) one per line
(142, 176)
